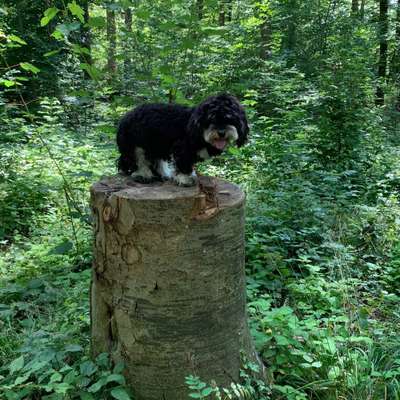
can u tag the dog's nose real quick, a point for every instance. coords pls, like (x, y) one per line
(221, 132)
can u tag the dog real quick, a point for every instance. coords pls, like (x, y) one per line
(164, 141)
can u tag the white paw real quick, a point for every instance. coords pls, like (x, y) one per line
(165, 169)
(185, 180)
(142, 175)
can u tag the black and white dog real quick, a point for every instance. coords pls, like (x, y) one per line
(164, 141)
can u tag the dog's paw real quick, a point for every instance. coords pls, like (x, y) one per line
(185, 180)
(143, 178)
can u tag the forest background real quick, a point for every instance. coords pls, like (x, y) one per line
(320, 80)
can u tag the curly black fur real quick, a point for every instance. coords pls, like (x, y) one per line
(155, 133)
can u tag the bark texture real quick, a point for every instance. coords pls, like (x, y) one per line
(168, 290)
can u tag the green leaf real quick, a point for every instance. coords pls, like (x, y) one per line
(206, 392)
(22, 379)
(66, 29)
(97, 22)
(77, 11)
(52, 53)
(88, 368)
(49, 14)
(62, 248)
(56, 377)
(116, 378)
(93, 72)
(29, 67)
(86, 396)
(72, 348)
(16, 365)
(334, 373)
(97, 386)
(7, 83)
(120, 393)
(16, 39)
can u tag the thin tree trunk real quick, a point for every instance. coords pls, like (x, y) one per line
(265, 33)
(221, 16)
(86, 39)
(128, 44)
(229, 10)
(397, 60)
(354, 7)
(112, 41)
(362, 9)
(383, 50)
(200, 9)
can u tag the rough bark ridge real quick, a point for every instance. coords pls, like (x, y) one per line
(168, 289)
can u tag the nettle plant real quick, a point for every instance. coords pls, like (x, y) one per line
(51, 374)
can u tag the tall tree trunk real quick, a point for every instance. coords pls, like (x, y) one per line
(289, 43)
(397, 59)
(112, 41)
(229, 10)
(221, 16)
(362, 9)
(86, 39)
(383, 50)
(265, 33)
(128, 43)
(354, 7)
(200, 9)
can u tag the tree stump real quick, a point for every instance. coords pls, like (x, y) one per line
(168, 291)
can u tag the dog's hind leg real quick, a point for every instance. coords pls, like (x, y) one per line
(165, 169)
(143, 172)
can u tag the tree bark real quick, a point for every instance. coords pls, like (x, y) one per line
(362, 9)
(229, 9)
(354, 7)
(265, 33)
(397, 55)
(200, 9)
(168, 291)
(221, 15)
(383, 50)
(128, 44)
(112, 41)
(86, 40)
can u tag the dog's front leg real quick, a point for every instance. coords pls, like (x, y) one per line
(184, 174)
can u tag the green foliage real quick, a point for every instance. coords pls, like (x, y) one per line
(320, 172)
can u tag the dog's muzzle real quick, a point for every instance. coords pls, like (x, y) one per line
(220, 138)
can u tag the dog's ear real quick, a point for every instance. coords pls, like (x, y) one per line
(196, 122)
(243, 131)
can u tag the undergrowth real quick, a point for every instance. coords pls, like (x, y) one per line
(322, 267)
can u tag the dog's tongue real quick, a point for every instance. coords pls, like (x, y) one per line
(220, 144)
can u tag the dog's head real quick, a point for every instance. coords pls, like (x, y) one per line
(219, 121)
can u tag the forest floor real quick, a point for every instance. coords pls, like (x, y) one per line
(323, 259)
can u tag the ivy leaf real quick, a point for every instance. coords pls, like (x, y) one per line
(17, 364)
(49, 14)
(77, 11)
(29, 67)
(17, 39)
(120, 393)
